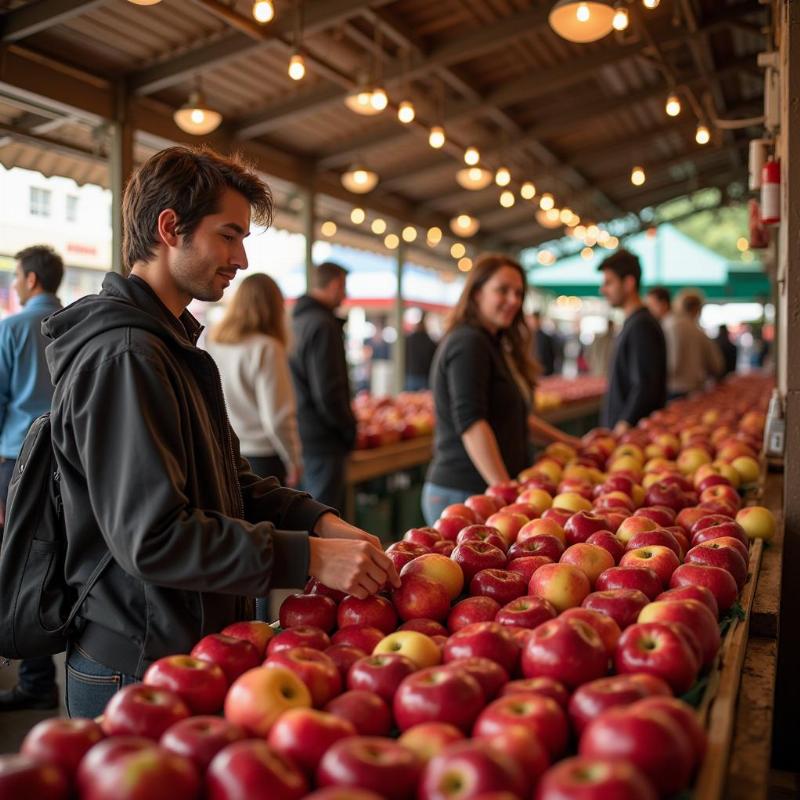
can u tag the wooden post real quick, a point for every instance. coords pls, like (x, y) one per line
(400, 344)
(120, 168)
(309, 230)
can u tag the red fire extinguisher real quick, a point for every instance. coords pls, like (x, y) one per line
(771, 193)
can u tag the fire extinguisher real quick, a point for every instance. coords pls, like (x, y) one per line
(771, 193)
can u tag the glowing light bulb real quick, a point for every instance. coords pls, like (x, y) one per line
(587, 253)
(434, 235)
(702, 135)
(328, 228)
(528, 190)
(378, 99)
(472, 156)
(392, 242)
(357, 215)
(502, 177)
(673, 106)
(637, 176)
(547, 201)
(406, 112)
(263, 11)
(437, 138)
(198, 116)
(378, 226)
(742, 245)
(650, 4)
(465, 264)
(620, 20)
(297, 67)
(458, 250)
(409, 234)
(582, 14)
(507, 198)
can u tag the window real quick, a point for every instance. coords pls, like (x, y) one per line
(40, 202)
(72, 208)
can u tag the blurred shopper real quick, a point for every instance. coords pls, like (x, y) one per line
(544, 344)
(151, 477)
(249, 347)
(319, 370)
(26, 393)
(730, 353)
(600, 350)
(659, 301)
(483, 380)
(420, 349)
(692, 358)
(637, 382)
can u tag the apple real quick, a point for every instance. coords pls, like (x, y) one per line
(614, 500)
(685, 717)
(304, 636)
(559, 516)
(582, 488)
(317, 670)
(254, 770)
(314, 586)
(420, 596)
(200, 739)
(444, 547)
(539, 714)
(460, 510)
(482, 533)
(472, 610)
(430, 627)
(691, 458)
(528, 510)
(537, 497)
(506, 491)
(729, 530)
(723, 494)
(509, 523)
(660, 649)
(440, 569)
(364, 637)
(692, 592)
(572, 501)
(757, 522)
(527, 565)
(581, 525)
(633, 525)
(596, 697)
(200, 684)
(526, 612)
(428, 739)
(344, 656)
(568, 650)
(642, 578)
(139, 710)
(233, 656)
(254, 631)
(604, 626)
(584, 778)
(380, 673)
(616, 483)
(448, 528)
(657, 538)
(667, 493)
(490, 675)
(500, 584)
(591, 559)
(548, 687)
(367, 711)
(609, 542)
(717, 580)
(648, 739)
(661, 560)
(615, 519)
(485, 639)
(375, 611)
(60, 743)
(621, 605)
(525, 749)
(402, 552)
(416, 646)
(438, 694)
(747, 468)
(25, 777)
(695, 616)
(257, 698)
(714, 554)
(543, 544)
(708, 520)
(97, 759)
(472, 557)
(550, 468)
(661, 515)
(736, 544)
(483, 505)
(315, 610)
(563, 585)
(709, 480)
(304, 735)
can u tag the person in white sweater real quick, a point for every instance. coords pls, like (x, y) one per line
(249, 348)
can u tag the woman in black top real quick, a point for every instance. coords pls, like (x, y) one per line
(483, 380)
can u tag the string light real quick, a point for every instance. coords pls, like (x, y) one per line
(392, 241)
(702, 135)
(434, 236)
(457, 250)
(409, 234)
(263, 11)
(297, 67)
(502, 177)
(472, 156)
(637, 176)
(507, 198)
(465, 264)
(673, 106)
(620, 20)
(357, 215)
(528, 190)
(378, 226)
(378, 99)
(328, 228)
(437, 138)
(547, 201)
(650, 4)
(406, 112)
(587, 253)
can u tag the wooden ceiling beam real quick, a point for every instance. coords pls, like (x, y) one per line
(32, 18)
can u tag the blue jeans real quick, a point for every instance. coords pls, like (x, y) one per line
(435, 499)
(90, 685)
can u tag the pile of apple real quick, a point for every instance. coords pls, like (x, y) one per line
(386, 420)
(537, 647)
(554, 390)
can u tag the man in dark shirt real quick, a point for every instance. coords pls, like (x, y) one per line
(637, 382)
(420, 349)
(728, 349)
(544, 344)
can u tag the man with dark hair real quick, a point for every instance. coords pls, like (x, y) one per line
(637, 383)
(150, 467)
(420, 350)
(319, 370)
(659, 302)
(25, 394)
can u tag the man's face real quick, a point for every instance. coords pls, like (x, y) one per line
(204, 266)
(23, 284)
(613, 289)
(339, 290)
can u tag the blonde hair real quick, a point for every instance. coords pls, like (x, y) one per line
(257, 307)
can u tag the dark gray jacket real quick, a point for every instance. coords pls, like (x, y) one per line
(151, 471)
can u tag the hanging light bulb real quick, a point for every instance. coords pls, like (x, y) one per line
(360, 99)
(472, 156)
(263, 11)
(465, 263)
(473, 178)
(359, 180)
(650, 4)
(328, 228)
(464, 225)
(378, 226)
(702, 135)
(392, 241)
(547, 201)
(409, 234)
(379, 99)
(434, 236)
(437, 138)
(637, 176)
(528, 190)
(357, 215)
(673, 105)
(406, 112)
(620, 20)
(581, 20)
(195, 116)
(565, 215)
(507, 198)
(502, 177)
(587, 253)
(144, 2)
(457, 250)
(297, 67)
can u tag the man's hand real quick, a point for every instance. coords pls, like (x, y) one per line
(350, 565)
(329, 526)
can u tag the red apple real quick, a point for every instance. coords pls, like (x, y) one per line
(608, 541)
(707, 520)
(540, 545)
(425, 537)
(685, 717)
(314, 586)
(723, 494)
(633, 525)
(472, 557)
(364, 637)
(615, 519)
(621, 605)
(714, 554)
(563, 585)
(368, 712)
(508, 523)
(661, 515)
(665, 493)
(430, 627)
(559, 516)
(254, 770)
(428, 739)
(139, 710)
(381, 674)
(526, 612)
(314, 668)
(489, 674)
(233, 656)
(695, 616)
(689, 516)
(97, 760)
(60, 743)
(641, 578)
(604, 626)
(584, 778)
(472, 610)
(526, 750)
(421, 597)
(449, 527)
(375, 611)
(444, 548)
(483, 505)
(344, 656)
(482, 533)
(24, 777)
(200, 739)
(717, 580)
(401, 553)
(591, 559)
(315, 610)
(506, 491)
(254, 631)
(657, 538)
(460, 510)
(692, 592)
(661, 560)
(500, 584)
(548, 687)
(723, 529)
(582, 525)
(485, 639)
(200, 684)
(527, 565)
(303, 636)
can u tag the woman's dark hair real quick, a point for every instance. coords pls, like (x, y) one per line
(517, 337)
(190, 182)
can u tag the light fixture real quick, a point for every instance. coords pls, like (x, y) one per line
(573, 221)
(502, 177)
(507, 198)
(195, 116)
(637, 176)
(434, 235)
(472, 156)
(546, 257)
(144, 2)
(650, 4)
(592, 232)
(565, 215)
(620, 20)
(360, 101)
(464, 225)
(409, 234)
(328, 228)
(437, 138)
(263, 11)
(378, 99)
(548, 218)
(579, 231)
(528, 190)
(587, 253)
(392, 241)
(702, 135)
(378, 226)
(406, 112)
(359, 180)
(457, 250)
(473, 178)
(582, 20)
(611, 243)
(465, 263)
(547, 201)
(673, 105)
(297, 67)
(357, 215)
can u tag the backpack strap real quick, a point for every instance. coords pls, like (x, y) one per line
(87, 587)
